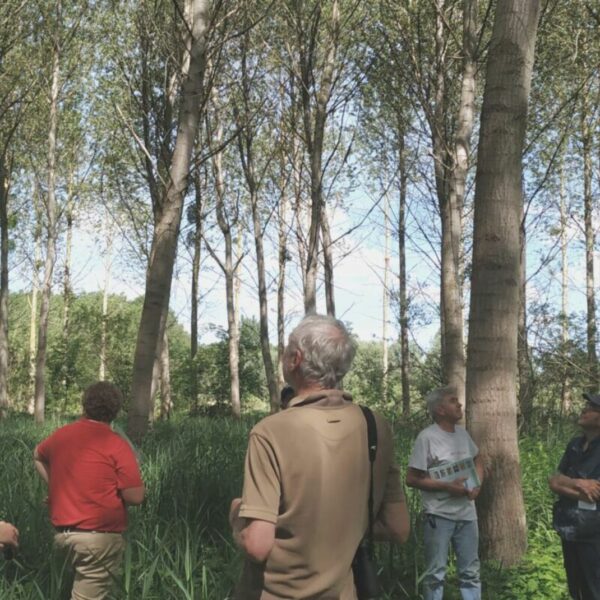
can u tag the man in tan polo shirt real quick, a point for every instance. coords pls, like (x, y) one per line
(303, 510)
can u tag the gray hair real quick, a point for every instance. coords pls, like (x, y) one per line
(327, 349)
(435, 397)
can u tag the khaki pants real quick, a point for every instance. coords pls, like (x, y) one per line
(96, 558)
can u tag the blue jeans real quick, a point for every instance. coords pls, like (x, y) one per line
(464, 535)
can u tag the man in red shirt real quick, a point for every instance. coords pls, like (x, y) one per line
(92, 475)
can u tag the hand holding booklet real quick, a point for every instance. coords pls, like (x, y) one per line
(450, 471)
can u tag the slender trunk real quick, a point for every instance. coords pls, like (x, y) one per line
(51, 229)
(314, 120)
(386, 299)
(35, 288)
(228, 267)
(493, 325)
(565, 394)
(590, 294)
(166, 399)
(166, 231)
(4, 185)
(450, 175)
(283, 258)
(198, 230)
(327, 262)
(67, 297)
(404, 351)
(525, 382)
(105, 293)
(265, 346)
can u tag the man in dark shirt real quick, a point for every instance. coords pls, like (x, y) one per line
(577, 512)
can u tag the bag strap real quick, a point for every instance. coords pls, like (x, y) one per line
(372, 449)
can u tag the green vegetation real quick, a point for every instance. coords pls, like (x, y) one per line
(180, 547)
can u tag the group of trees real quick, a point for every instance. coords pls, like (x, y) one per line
(188, 135)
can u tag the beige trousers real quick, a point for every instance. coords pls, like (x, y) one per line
(96, 558)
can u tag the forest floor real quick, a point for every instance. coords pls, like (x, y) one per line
(179, 541)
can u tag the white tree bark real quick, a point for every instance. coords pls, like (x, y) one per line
(493, 323)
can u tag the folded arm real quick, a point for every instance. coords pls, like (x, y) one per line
(587, 490)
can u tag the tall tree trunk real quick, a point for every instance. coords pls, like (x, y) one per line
(327, 261)
(283, 232)
(166, 231)
(4, 190)
(198, 230)
(67, 295)
(35, 288)
(404, 350)
(588, 207)
(315, 100)
(228, 266)
(105, 293)
(51, 228)
(565, 393)
(494, 312)
(450, 176)
(386, 299)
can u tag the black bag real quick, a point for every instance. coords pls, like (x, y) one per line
(363, 567)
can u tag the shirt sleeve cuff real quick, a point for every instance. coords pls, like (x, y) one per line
(251, 512)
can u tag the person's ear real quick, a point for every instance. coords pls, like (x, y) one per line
(296, 359)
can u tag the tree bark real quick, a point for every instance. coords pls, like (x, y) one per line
(35, 288)
(386, 300)
(314, 101)
(198, 230)
(105, 294)
(327, 261)
(166, 231)
(52, 233)
(565, 392)
(248, 160)
(525, 394)
(404, 350)
(590, 238)
(4, 190)
(67, 294)
(492, 348)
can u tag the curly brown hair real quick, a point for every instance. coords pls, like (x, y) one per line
(102, 401)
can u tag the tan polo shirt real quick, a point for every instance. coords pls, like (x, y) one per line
(307, 471)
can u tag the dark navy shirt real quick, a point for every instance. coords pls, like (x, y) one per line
(571, 522)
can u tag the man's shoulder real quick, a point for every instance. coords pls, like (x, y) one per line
(427, 432)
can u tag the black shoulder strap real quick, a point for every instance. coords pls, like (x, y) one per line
(372, 448)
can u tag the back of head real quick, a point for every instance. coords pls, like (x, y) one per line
(435, 397)
(102, 401)
(327, 349)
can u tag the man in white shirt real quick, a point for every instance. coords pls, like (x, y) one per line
(445, 465)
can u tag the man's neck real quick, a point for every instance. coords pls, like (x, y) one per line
(445, 425)
(309, 388)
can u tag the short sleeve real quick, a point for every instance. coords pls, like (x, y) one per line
(126, 467)
(418, 458)
(565, 463)
(262, 484)
(393, 491)
(44, 449)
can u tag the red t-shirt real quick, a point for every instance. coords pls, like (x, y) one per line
(88, 464)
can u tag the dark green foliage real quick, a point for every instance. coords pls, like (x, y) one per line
(73, 365)
(179, 541)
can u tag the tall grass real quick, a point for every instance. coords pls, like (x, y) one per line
(179, 546)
